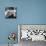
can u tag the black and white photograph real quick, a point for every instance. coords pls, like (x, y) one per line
(31, 34)
(10, 12)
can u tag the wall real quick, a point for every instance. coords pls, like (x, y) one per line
(28, 12)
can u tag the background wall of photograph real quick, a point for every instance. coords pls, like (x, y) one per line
(28, 12)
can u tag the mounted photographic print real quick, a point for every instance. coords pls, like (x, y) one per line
(10, 12)
(32, 32)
